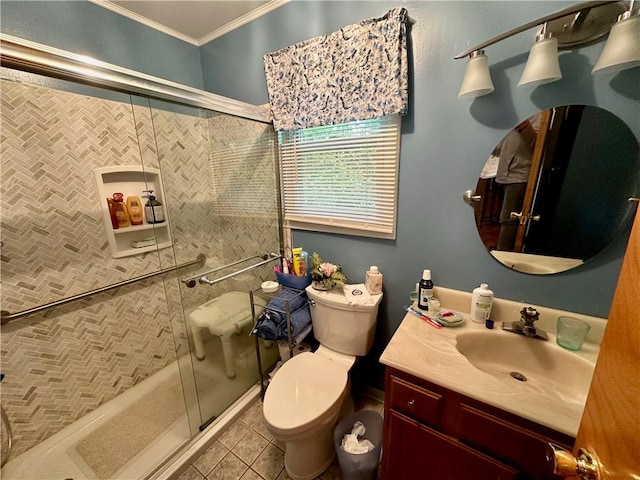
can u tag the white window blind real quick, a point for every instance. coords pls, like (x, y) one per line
(342, 178)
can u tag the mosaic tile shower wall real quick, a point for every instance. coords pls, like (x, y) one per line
(63, 363)
(54, 242)
(243, 159)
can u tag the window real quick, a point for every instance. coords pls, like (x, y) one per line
(342, 178)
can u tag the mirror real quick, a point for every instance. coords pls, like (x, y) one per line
(555, 190)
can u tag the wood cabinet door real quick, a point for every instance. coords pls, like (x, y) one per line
(418, 452)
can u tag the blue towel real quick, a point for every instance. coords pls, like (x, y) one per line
(294, 297)
(267, 325)
(299, 320)
(272, 324)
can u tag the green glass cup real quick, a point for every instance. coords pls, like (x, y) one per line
(571, 333)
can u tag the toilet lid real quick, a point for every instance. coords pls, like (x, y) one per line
(302, 390)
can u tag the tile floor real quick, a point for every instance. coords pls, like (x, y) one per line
(247, 451)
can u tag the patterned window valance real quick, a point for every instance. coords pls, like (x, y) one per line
(356, 73)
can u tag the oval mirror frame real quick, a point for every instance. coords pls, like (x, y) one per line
(555, 190)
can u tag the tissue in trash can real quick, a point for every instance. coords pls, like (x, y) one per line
(351, 444)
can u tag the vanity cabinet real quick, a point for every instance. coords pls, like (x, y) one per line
(433, 433)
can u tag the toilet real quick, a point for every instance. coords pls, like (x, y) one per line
(305, 396)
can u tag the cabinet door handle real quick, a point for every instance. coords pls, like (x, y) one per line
(411, 403)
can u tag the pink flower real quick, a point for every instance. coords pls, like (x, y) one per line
(327, 269)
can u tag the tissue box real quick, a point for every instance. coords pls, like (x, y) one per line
(293, 281)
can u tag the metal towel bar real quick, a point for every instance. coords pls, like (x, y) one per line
(191, 281)
(271, 257)
(7, 316)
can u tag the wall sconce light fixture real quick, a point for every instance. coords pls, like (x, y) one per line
(542, 65)
(622, 49)
(567, 28)
(477, 80)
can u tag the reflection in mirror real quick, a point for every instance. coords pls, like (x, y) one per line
(554, 192)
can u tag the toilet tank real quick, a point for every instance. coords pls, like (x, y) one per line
(345, 328)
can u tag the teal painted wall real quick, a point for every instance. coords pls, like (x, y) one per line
(445, 143)
(84, 28)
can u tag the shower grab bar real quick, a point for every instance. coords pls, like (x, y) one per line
(191, 281)
(6, 317)
(272, 256)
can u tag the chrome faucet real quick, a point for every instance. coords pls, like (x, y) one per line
(524, 326)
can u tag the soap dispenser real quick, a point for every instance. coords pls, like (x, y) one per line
(153, 211)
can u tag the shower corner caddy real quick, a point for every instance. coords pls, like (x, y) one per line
(132, 180)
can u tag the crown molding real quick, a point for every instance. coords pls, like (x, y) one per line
(238, 22)
(244, 19)
(145, 21)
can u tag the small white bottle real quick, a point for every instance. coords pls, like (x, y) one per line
(481, 302)
(373, 280)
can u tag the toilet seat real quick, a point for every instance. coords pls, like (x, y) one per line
(343, 359)
(307, 388)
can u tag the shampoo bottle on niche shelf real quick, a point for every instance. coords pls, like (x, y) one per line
(134, 206)
(112, 213)
(153, 211)
(481, 302)
(425, 290)
(121, 210)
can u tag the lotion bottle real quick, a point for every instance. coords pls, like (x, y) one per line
(481, 302)
(373, 280)
(425, 290)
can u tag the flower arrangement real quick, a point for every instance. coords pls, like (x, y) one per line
(325, 275)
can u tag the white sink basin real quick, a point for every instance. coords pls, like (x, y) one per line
(542, 365)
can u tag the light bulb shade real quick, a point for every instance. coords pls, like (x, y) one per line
(622, 49)
(477, 80)
(542, 65)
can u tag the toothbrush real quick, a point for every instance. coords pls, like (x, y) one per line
(421, 315)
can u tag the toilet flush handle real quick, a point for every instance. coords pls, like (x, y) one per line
(312, 302)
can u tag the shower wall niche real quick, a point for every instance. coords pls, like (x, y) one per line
(132, 180)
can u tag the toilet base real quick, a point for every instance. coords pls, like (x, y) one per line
(307, 459)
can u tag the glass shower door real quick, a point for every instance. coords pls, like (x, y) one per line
(221, 192)
(91, 387)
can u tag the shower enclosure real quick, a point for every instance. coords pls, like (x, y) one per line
(108, 371)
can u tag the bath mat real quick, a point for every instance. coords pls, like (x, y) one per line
(111, 446)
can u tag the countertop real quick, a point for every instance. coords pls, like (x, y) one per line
(425, 352)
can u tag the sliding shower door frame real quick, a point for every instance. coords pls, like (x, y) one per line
(28, 56)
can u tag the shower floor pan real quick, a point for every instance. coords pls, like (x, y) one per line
(57, 457)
